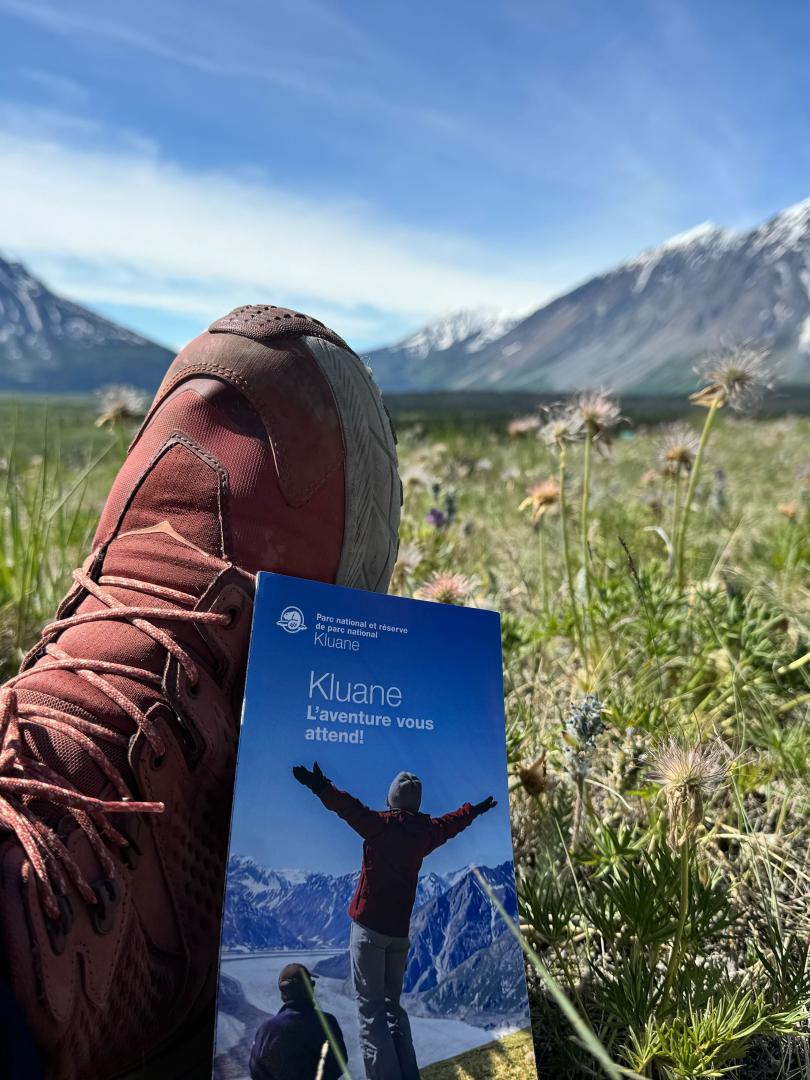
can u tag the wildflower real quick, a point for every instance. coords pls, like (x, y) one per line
(483, 465)
(445, 588)
(535, 778)
(649, 478)
(417, 475)
(735, 377)
(510, 474)
(599, 414)
(687, 774)
(582, 726)
(542, 498)
(564, 424)
(119, 403)
(408, 559)
(450, 507)
(789, 509)
(678, 449)
(436, 518)
(523, 425)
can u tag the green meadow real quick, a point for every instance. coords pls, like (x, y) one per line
(654, 585)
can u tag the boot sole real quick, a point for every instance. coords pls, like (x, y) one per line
(373, 487)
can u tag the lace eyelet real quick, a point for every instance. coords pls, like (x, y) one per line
(158, 760)
(130, 856)
(102, 914)
(193, 688)
(233, 614)
(58, 929)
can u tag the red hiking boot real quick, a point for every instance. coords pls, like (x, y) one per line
(267, 447)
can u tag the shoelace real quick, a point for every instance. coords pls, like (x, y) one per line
(21, 774)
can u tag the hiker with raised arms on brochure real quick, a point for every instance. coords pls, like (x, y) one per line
(395, 843)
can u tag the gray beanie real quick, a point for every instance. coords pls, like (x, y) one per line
(405, 792)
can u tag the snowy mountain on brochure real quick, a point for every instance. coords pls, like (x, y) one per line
(50, 344)
(470, 976)
(639, 328)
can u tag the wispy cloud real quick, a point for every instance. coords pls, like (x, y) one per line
(124, 225)
(67, 92)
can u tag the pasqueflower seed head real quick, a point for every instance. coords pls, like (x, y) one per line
(687, 774)
(445, 588)
(738, 376)
(117, 403)
(678, 449)
(563, 424)
(599, 414)
(542, 498)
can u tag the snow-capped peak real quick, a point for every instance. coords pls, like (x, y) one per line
(785, 231)
(698, 241)
(471, 328)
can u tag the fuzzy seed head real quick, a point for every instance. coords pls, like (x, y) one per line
(118, 403)
(738, 376)
(523, 425)
(687, 775)
(445, 588)
(563, 424)
(542, 498)
(678, 449)
(598, 413)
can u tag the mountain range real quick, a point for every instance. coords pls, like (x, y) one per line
(638, 329)
(49, 344)
(463, 961)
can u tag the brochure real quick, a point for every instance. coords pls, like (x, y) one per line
(370, 844)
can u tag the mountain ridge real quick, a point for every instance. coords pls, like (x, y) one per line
(641, 326)
(462, 961)
(51, 344)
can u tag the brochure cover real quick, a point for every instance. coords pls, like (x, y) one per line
(370, 831)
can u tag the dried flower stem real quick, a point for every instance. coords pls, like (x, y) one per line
(541, 538)
(680, 547)
(586, 499)
(683, 908)
(569, 566)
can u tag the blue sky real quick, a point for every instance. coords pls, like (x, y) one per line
(448, 669)
(381, 164)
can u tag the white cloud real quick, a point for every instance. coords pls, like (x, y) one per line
(123, 225)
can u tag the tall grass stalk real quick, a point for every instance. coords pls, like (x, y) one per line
(581, 1027)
